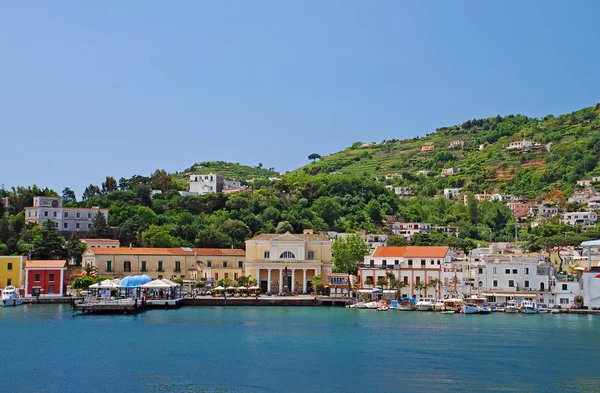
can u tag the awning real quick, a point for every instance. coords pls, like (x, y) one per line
(529, 295)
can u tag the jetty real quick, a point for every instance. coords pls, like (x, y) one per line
(109, 306)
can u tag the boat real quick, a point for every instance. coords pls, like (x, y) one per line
(407, 304)
(529, 307)
(394, 305)
(383, 308)
(485, 309)
(425, 304)
(543, 308)
(469, 309)
(11, 297)
(473, 305)
(439, 305)
(511, 307)
(452, 305)
(447, 312)
(372, 305)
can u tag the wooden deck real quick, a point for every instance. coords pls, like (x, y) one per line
(104, 306)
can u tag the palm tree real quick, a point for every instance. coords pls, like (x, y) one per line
(89, 270)
(419, 287)
(434, 283)
(317, 284)
(369, 281)
(391, 278)
(399, 286)
(252, 281)
(381, 282)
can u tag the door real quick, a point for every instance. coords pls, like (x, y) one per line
(264, 286)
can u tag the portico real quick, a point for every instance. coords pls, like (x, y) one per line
(303, 255)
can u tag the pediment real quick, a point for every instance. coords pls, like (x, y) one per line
(287, 237)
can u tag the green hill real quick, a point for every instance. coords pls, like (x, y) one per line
(232, 171)
(567, 149)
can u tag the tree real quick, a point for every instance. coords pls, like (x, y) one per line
(224, 282)
(284, 226)
(369, 281)
(82, 282)
(314, 157)
(99, 228)
(157, 236)
(317, 284)
(68, 195)
(348, 253)
(434, 283)
(109, 185)
(419, 287)
(242, 281)
(47, 243)
(90, 192)
(400, 285)
(397, 241)
(89, 270)
(75, 248)
(161, 180)
(381, 282)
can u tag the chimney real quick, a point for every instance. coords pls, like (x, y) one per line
(130, 245)
(307, 232)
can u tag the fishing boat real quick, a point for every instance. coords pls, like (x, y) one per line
(11, 297)
(407, 304)
(473, 305)
(425, 304)
(452, 305)
(529, 307)
(511, 307)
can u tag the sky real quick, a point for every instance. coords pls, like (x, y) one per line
(90, 89)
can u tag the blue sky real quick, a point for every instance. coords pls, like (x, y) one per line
(90, 89)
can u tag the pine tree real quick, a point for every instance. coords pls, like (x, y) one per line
(75, 248)
(47, 243)
(100, 228)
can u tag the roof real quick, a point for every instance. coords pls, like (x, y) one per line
(99, 241)
(167, 251)
(304, 236)
(412, 251)
(53, 264)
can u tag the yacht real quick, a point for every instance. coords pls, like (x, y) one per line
(511, 307)
(11, 297)
(529, 307)
(425, 304)
(439, 305)
(452, 305)
(473, 305)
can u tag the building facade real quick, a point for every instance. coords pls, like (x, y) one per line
(206, 184)
(408, 229)
(272, 258)
(579, 218)
(195, 264)
(68, 219)
(11, 271)
(45, 278)
(410, 265)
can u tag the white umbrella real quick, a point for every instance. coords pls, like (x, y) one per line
(156, 284)
(171, 283)
(231, 288)
(219, 288)
(242, 288)
(254, 287)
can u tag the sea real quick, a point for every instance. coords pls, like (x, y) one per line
(47, 348)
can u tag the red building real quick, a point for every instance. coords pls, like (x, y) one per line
(46, 276)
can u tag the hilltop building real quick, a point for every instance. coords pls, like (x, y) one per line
(451, 193)
(68, 219)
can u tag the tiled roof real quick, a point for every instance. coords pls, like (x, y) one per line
(304, 236)
(412, 251)
(99, 240)
(53, 264)
(167, 251)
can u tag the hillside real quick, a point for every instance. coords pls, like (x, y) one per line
(567, 148)
(231, 171)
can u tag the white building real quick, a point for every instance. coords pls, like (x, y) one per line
(520, 145)
(451, 193)
(206, 184)
(579, 218)
(450, 171)
(408, 229)
(68, 219)
(591, 287)
(403, 191)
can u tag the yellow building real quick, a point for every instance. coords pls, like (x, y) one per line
(11, 271)
(185, 263)
(304, 255)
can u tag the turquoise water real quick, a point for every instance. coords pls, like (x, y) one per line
(296, 349)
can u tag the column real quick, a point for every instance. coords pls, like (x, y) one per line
(257, 277)
(269, 280)
(304, 288)
(292, 283)
(280, 280)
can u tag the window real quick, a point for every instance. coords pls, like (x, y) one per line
(89, 215)
(431, 262)
(177, 266)
(550, 301)
(45, 213)
(405, 280)
(287, 255)
(209, 264)
(511, 283)
(396, 262)
(216, 276)
(66, 214)
(526, 270)
(77, 226)
(109, 266)
(310, 255)
(36, 278)
(225, 264)
(78, 215)
(160, 266)
(51, 277)
(51, 289)
(564, 287)
(495, 270)
(66, 225)
(54, 214)
(564, 300)
(8, 282)
(439, 262)
(506, 271)
(9, 266)
(89, 226)
(515, 271)
(422, 262)
(126, 266)
(384, 263)
(417, 280)
(235, 276)
(372, 263)
(240, 264)
(495, 283)
(410, 262)
(267, 255)
(480, 284)
(480, 270)
(143, 266)
(226, 275)
(526, 283)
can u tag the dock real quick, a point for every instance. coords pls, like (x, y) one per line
(107, 306)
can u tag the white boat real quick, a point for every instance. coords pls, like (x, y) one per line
(407, 304)
(372, 305)
(469, 309)
(529, 307)
(11, 297)
(383, 308)
(543, 308)
(452, 305)
(485, 309)
(439, 305)
(425, 304)
(473, 305)
(511, 307)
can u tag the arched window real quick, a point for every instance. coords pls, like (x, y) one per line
(287, 255)
(54, 203)
(310, 255)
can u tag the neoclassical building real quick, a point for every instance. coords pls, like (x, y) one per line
(304, 255)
